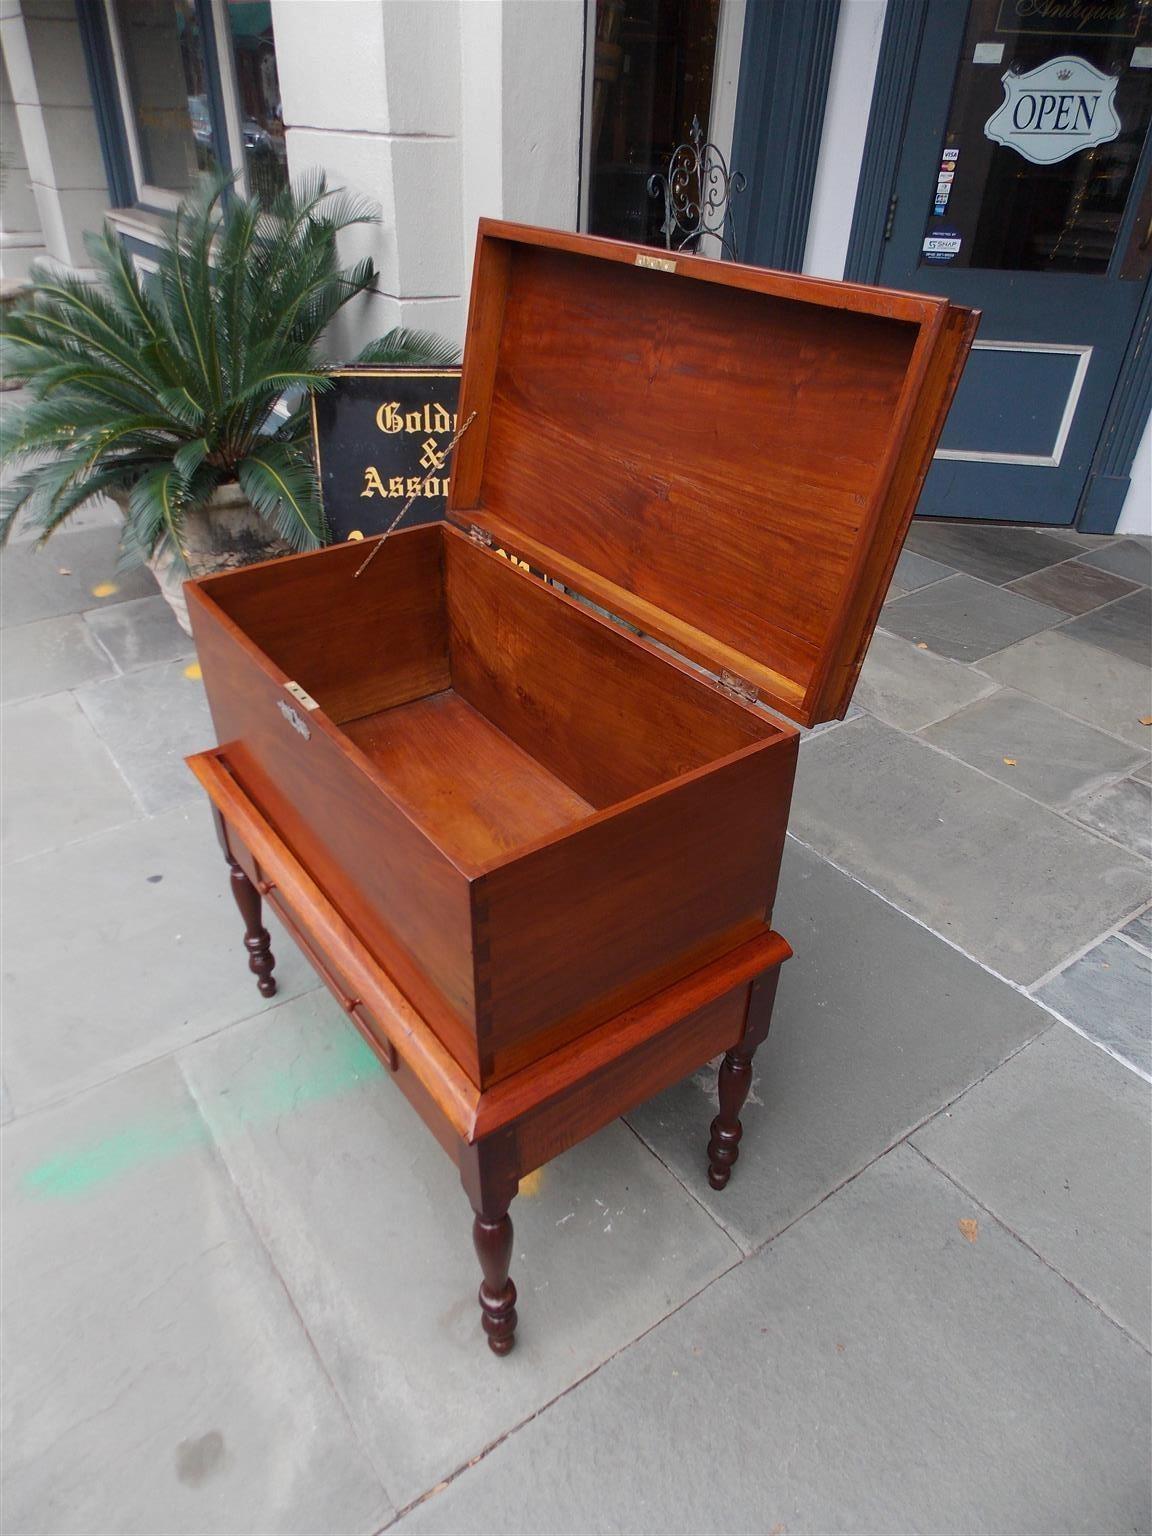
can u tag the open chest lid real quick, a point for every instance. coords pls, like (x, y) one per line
(726, 457)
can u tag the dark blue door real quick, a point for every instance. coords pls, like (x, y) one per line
(1022, 189)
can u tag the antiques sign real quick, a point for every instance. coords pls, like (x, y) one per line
(1055, 110)
(378, 432)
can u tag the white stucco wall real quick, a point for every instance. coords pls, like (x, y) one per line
(854, 58)
(441, 112)
(1137, 514)
(58, 142)
(21, 239)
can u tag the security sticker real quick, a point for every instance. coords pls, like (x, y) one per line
(944, 245)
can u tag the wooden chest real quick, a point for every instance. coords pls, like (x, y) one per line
(512, 783)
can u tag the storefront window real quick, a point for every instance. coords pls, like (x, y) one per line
(198, 87)
(1049, 114)
(166, 74)
(653, 69)
(258, 96)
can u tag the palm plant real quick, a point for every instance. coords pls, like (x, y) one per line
(159, 390)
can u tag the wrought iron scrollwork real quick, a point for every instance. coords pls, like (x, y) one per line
(698, 189)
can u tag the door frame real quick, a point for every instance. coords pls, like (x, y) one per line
(1101, 502)
(785, 68)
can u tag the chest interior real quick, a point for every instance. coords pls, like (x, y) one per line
(495, 711)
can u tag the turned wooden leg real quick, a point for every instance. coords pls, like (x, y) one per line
(257, 940)
(735, 1079)
(492, 1236)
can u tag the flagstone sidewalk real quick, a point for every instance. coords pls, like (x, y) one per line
(238, 1285)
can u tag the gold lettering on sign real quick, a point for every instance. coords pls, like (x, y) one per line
(428, 418)
(403, 485)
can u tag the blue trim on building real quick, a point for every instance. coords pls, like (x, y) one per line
(1110, 477)
(1111, 472)
(785, 63)
(93, 22)
(891, 97)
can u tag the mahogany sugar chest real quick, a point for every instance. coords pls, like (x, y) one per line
(516, 789)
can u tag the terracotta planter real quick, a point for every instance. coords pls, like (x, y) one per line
(226, 533)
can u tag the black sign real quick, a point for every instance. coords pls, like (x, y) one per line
(1071, 18)
(380, 434)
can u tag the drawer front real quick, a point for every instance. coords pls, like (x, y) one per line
(354, 1006)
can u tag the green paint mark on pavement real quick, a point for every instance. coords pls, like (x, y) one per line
(338, 1064)
(342, 1063)
(79, 1169)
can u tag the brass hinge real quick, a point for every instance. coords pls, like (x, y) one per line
(300, 696)
(737, 688)
(655, 263)
(479, 535)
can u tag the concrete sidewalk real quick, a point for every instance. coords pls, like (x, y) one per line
(238, 1283)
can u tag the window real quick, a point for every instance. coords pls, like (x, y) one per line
(652, 64)
(198, 91)
(1049, 113)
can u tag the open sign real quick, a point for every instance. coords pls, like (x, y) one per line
(1055, 110)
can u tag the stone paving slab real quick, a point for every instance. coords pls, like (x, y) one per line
(157, 1378)
(873, 1370)
(1088, 541)
(1122, 812)
(60, 782)
(121, 947)
(967, 619)
(1058, 1145)
(140, 633)
(910, 688)
(995, 554)
(913, 571)
(64, 576)
(150, 721)
(49, 656)
(1129, 558)
(1094, 684)
(1124, 626)
(1051, 758)
(980, 864)
(367, 1222)
(1139, 930)
(877, 1024)
(1074, 587)
(1108, 994)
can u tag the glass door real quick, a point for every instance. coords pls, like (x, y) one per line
(1023, 190)
(653, 68)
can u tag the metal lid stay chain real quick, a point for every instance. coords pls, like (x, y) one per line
(416, 494)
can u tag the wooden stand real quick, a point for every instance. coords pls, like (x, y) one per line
(499, 1134)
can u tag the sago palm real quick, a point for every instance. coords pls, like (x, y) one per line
(160, 389)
